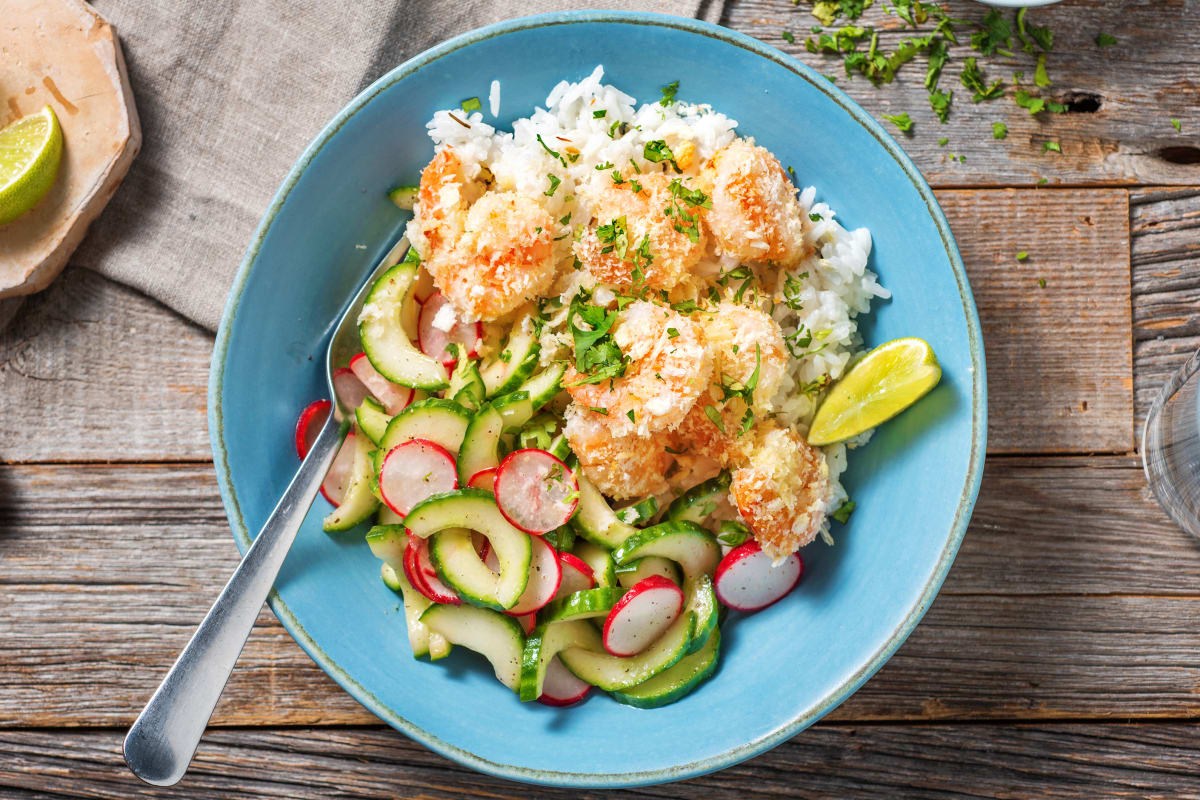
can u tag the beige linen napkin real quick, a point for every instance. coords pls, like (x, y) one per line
(230, 92)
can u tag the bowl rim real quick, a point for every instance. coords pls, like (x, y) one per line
(851, 683)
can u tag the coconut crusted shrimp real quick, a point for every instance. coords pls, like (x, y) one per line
(488, 251)
(669, 366)
(620, 466)
(649, 240)
(742, 338)
(754, 214)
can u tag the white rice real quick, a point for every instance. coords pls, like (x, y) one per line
(835, 284)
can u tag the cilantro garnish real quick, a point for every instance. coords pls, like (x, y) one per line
(789, 38)
(1105, 40)
(1022, 255)
(844, 511)
(657, 151)
(471, 104)
(604, 166)
(942, 142)
(999, 130)
(714, 416)
(972, 78)
(616, 177)
(939, 101)
(815, 217)
(597, 356)
(599, 114)
(668, 93)
(553, 153)
(1027, 101)
(683, 198)
(565, 220)
(554, 182)
(1040, 78)
(993, 32)
(632, 416)
(1048, 146)
(901, 121)
(1176, 124)
(603, 411)
(672, 333)
(1042, 283)
(732, 533)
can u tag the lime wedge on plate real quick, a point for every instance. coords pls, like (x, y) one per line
(30, 152)
(886, 381)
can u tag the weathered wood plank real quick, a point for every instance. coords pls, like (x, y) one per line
(1149, 761)
(1121, 98)
(128, 377)
(1165, 253)
(90, 370)
(103, 585)
(1059, 357)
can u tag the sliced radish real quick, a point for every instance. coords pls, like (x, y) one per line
(392, 396)
(337, 479)
(349, 389)
(484, 479)
(640, 617)
(527, 622)
(423, 576)
(545, 575)
(309, 425)
(746, 580)
(413, 471)
(438, 327)
(483, 548)
(576, 575)
(536, 491)
(561, 687)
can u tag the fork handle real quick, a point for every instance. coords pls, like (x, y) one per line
(163, 739)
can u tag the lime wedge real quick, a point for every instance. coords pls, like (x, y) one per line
(30, 152)
(886, 381)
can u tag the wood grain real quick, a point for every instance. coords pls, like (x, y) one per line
(1123, 97)
(1059, 356)
(93, 371)
(1084, 761)
(127, 378)
(1165, 253)
(1059, 604)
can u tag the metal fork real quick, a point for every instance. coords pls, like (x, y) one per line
(162, 740)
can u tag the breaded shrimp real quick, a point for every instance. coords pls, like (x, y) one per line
(620, 466)
(669, 366)
(754, 215)
(488, 251)
(739, 338)
(781, 490)
(671, 253)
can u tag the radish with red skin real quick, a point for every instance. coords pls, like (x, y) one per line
(640, 617)
(561, 687)
(413, 471)
(348, 389)
(535, 491)
(484, 479)
(337, 479)
(545, 576)
(746, 579)
(432, 340)
(528, 621)
(423, 576)
(392, 396)
(576, 575)
(309, 425)
(483, 548)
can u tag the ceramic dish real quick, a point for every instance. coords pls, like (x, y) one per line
(782, 669)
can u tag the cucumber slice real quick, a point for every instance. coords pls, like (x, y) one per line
(440, 421)
(697, 503)
(561, 449)
(685, 543)
(599, 559)
(545, 385)
(404, 197)
(388, 517)
(480, 443)
(466, 386)
(387, 345)
(476, 510)
(359, 503)
(546, 641)
(700, 597)
(460, 567)
(515, 363)
(595, 520)
(561, 538)
(515, 409)
(639, 512)
(680, 680)
(614, 673)
(584, 604)
(635, 571)
(372, 419)
(388, 542)
(497, 637)
(539, 432)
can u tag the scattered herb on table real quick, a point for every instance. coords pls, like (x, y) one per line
(1105, 40)
(788, 37)
(1176, 124)
(901, 121)
(942, 142)
(1048, 146)
(1021, 256)
(1042, 283)
(999, 130)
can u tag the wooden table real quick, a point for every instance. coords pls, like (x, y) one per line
(1062, 657)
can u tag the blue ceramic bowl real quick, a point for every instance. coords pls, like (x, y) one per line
(781, 669)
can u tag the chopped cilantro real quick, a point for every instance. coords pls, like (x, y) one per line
(732, 533)
(815, 217)
(1105, 40)
(844, 511)
(992, 32)
(553, 153)
(1048, 146)
(999, 130)
(1176, 124)
(603, 411)
(1027, 101)
(657, 150)
(714, 416)
(942, 142)
(672, 333)
(1043, 181)
(554, 182)
(901, 121)
(972, 78)
(599, 114)
(789, 38)
(604, 166)
(471, 104)
(616, 177)
(565, 220)
(682, 199)
(940, 102)
(1022, 255)
(634, 186)
(632, 416)
(597, 356)
(1040, 78)
(668, 93)
(1042, 283)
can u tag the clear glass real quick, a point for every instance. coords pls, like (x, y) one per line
(1171, 446)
